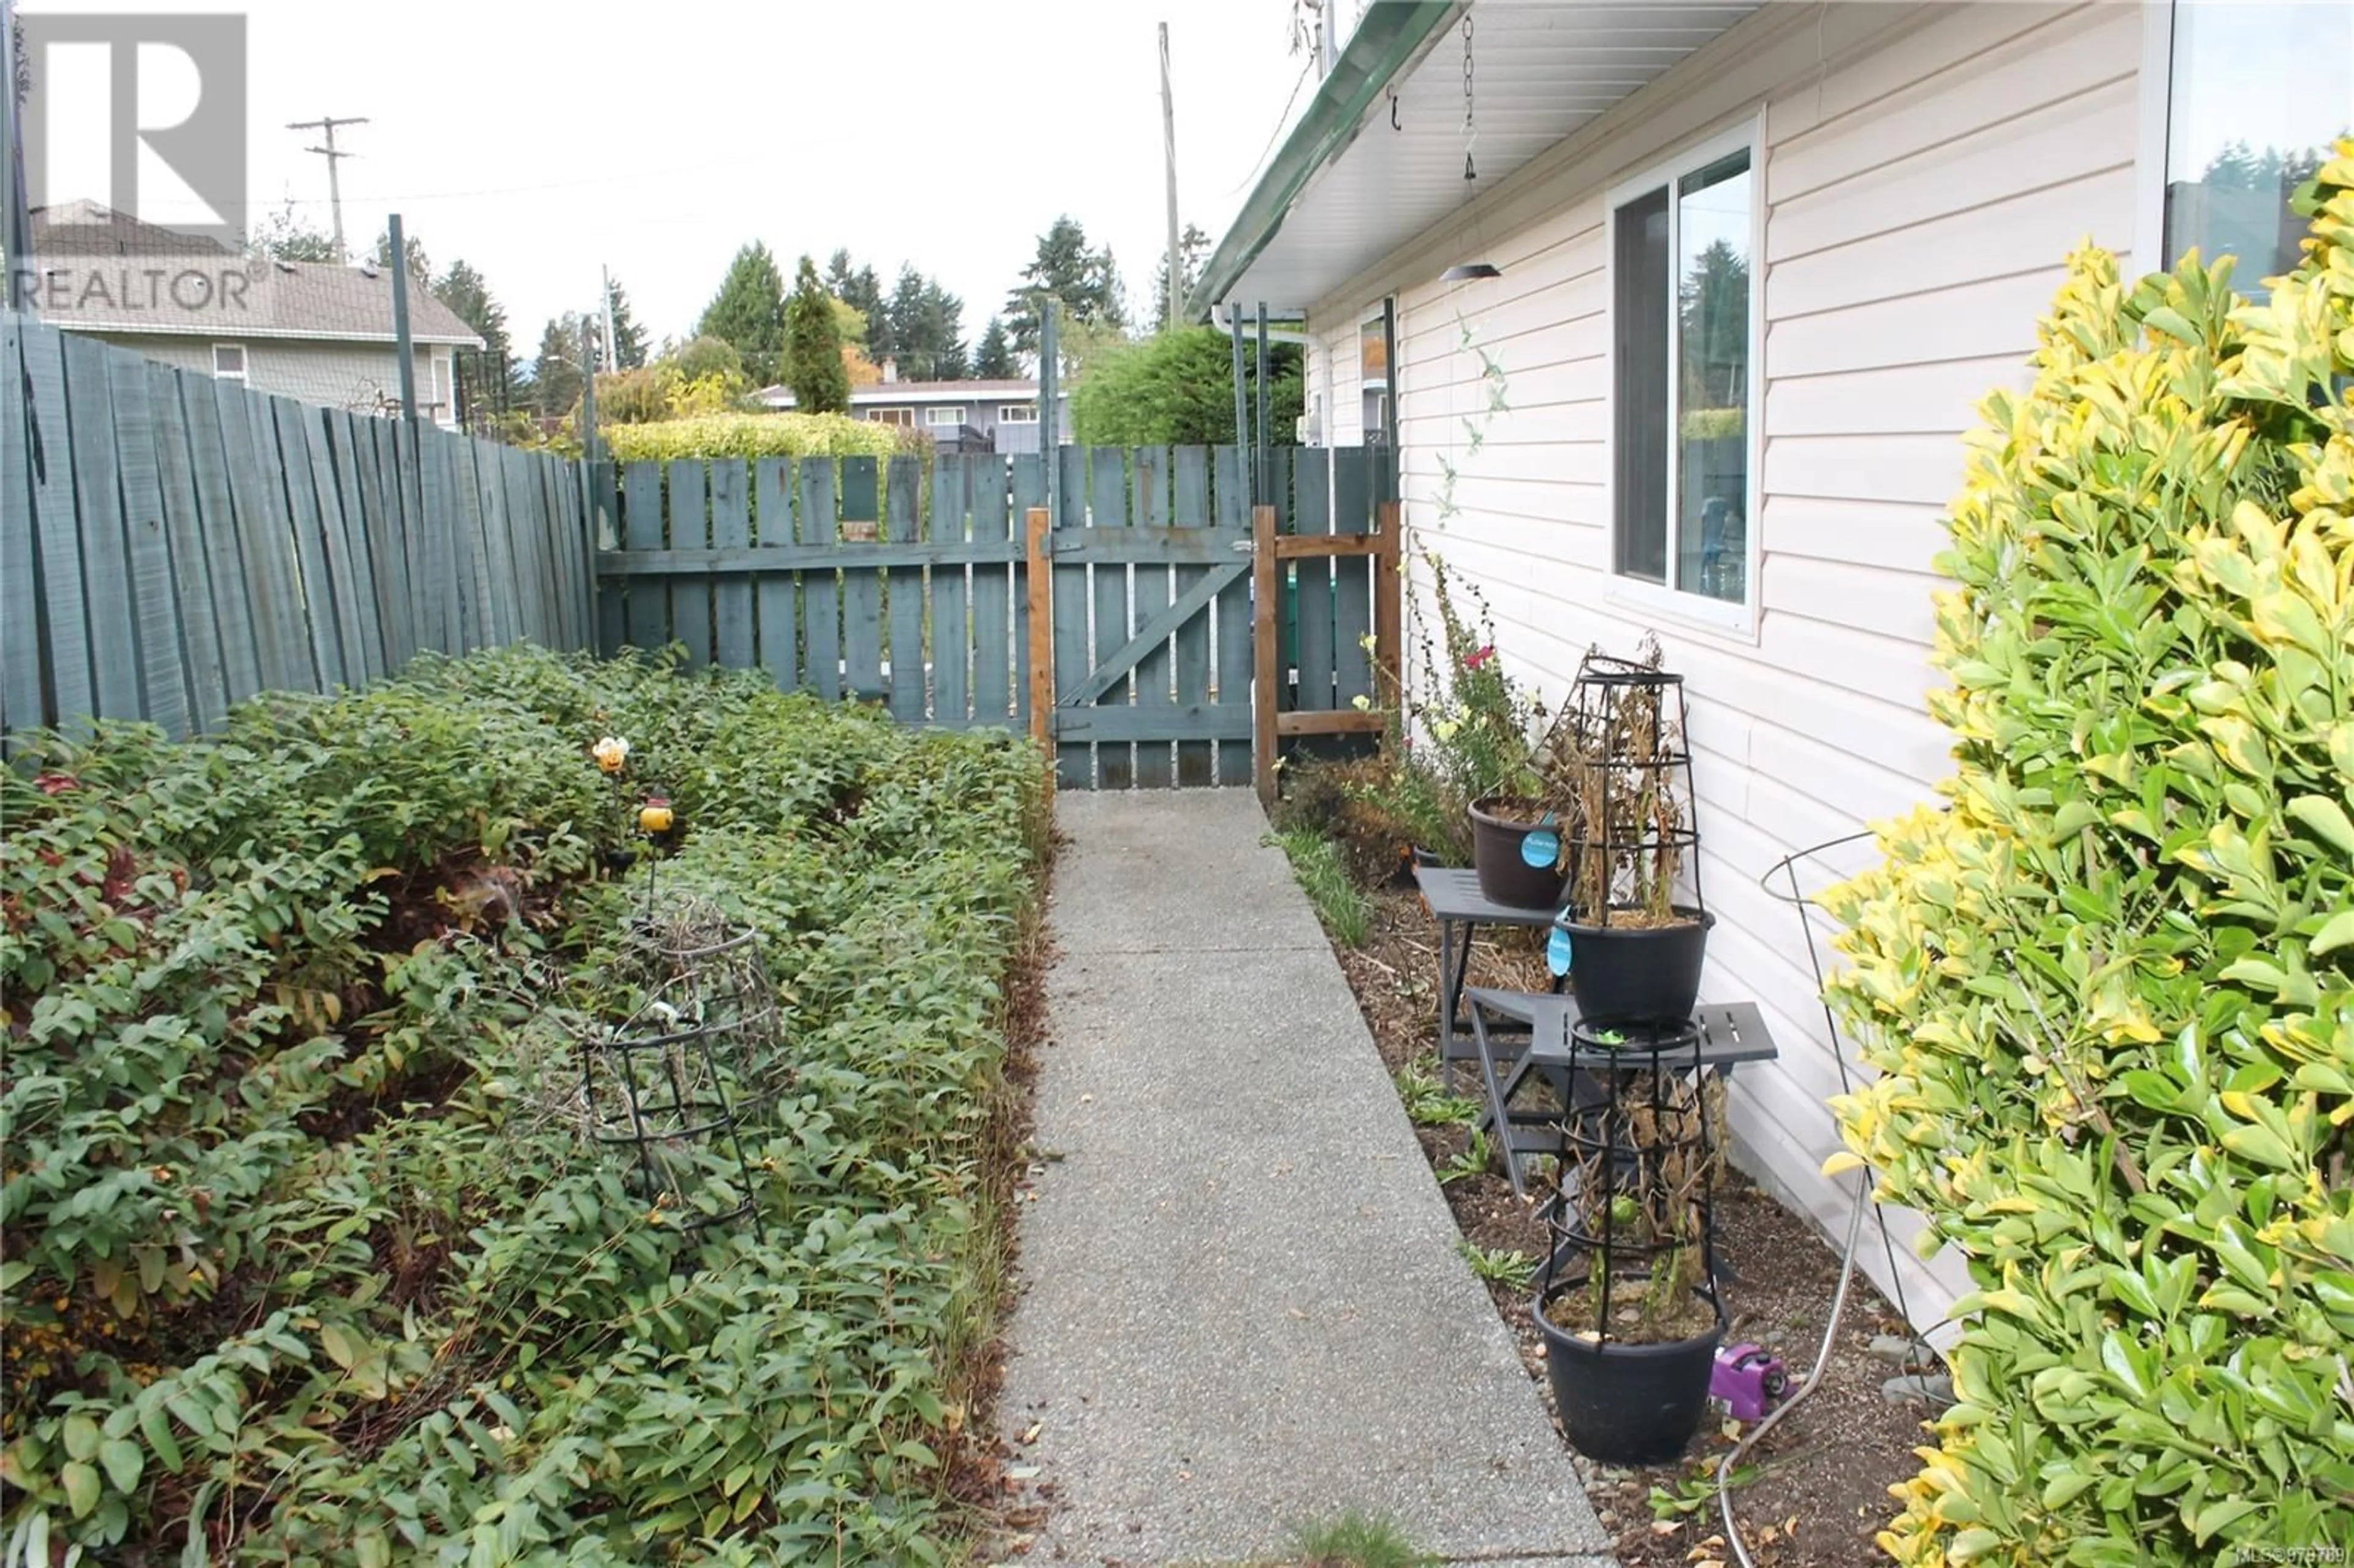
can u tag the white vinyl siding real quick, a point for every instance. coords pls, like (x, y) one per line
(1923, 171)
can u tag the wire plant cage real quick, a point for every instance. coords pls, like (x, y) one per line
(674, 1080)
(1631, 1255)
(1623, 772)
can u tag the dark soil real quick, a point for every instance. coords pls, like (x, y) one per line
(1821, 1491)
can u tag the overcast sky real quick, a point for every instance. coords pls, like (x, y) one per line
(539, 139)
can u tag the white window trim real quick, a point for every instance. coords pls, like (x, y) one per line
(1660, 600)
(1017, 413)
(244, 363)
(2157, 109)
(932, 415)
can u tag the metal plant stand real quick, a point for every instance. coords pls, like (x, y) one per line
(1625, 722)
(1636, 1169)
(673, 1081)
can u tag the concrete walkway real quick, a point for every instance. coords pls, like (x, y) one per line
(1243, 1306)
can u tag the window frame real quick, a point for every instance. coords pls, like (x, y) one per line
(2154, 140)
(1017, 413)
(1664, 600)
(892, 414)
(244, 363)
(932, 413)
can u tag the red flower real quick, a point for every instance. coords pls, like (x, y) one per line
(1479, 656)
(55, 783)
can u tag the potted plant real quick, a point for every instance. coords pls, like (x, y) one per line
(1633, 926)
(1479, 721)
(1626, 1301)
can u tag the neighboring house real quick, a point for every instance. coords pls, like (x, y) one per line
(1756, 263)
(961, 416)
(313, 331)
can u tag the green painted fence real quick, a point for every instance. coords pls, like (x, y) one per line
(906, 583)
(172, 544)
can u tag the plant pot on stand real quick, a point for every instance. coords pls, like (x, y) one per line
(1626, 1301)
(1633, 933)
(1516, 853)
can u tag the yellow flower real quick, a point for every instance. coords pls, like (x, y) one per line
(1361, 703)
(1366, 643)
(655, 816)
(610, 753)
(1444, 729)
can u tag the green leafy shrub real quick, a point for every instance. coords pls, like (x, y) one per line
(1178, 388)
(308, 1257)
(752, 436)
(2108, 989)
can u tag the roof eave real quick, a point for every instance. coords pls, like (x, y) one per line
(1389, 38)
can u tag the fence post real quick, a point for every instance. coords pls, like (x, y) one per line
(1266, 652)
(1037, 524)
(1389, 613)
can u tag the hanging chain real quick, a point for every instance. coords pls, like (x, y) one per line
(1470, 129)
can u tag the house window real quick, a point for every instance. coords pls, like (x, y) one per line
(2257, 93)
(892, 416)
(1017, 413)
(1684, 398)
(228, 361)
(443, 396)
(949, 418)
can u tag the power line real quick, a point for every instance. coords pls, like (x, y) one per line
(326, 125)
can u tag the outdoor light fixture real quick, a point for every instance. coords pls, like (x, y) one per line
(1470, 271)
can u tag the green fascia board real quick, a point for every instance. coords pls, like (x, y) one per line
(1391, 36)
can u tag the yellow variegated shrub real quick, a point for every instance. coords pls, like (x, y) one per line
(2109, 989)
(751, 436)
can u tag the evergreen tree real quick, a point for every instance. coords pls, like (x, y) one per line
(749, 311)
(993, 361)
(926, 329)
(555, 372)
(1193, 248)
(487, 372)
(419, 267)
(813, 366)
(284, 237)
(1086, 281)
(628, 337)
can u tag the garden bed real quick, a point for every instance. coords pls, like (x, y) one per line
(311, 1256)
(1820, 1492)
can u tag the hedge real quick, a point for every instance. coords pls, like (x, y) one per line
(309, 1258)
(2110, 987)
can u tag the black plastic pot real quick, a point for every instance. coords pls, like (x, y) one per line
(1637, 973)
(1504, 877)
(1628, 1404)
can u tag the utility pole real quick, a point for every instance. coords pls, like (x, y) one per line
(1169, 157)
(605, 309)
(335, 184)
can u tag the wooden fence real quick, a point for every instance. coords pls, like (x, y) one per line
(171, 544)
(912, 587)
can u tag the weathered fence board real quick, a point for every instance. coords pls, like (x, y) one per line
(731, 596)
(951, 652)
(1190, 660)
(904, 591)
(862, 592)
(1148, 594)
(822, 601)
(1025, 490)
(778, 597)
(172, 545)
(1352, 590)
(994, 681)
(1311, 490)
(1233, 623)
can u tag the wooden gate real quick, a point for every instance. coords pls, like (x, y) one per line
(1118, 608)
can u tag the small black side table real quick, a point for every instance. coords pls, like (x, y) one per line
(1730, 1033)
(1460, 909)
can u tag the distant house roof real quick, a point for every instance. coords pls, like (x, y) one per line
(316, 301)
(882, 393)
